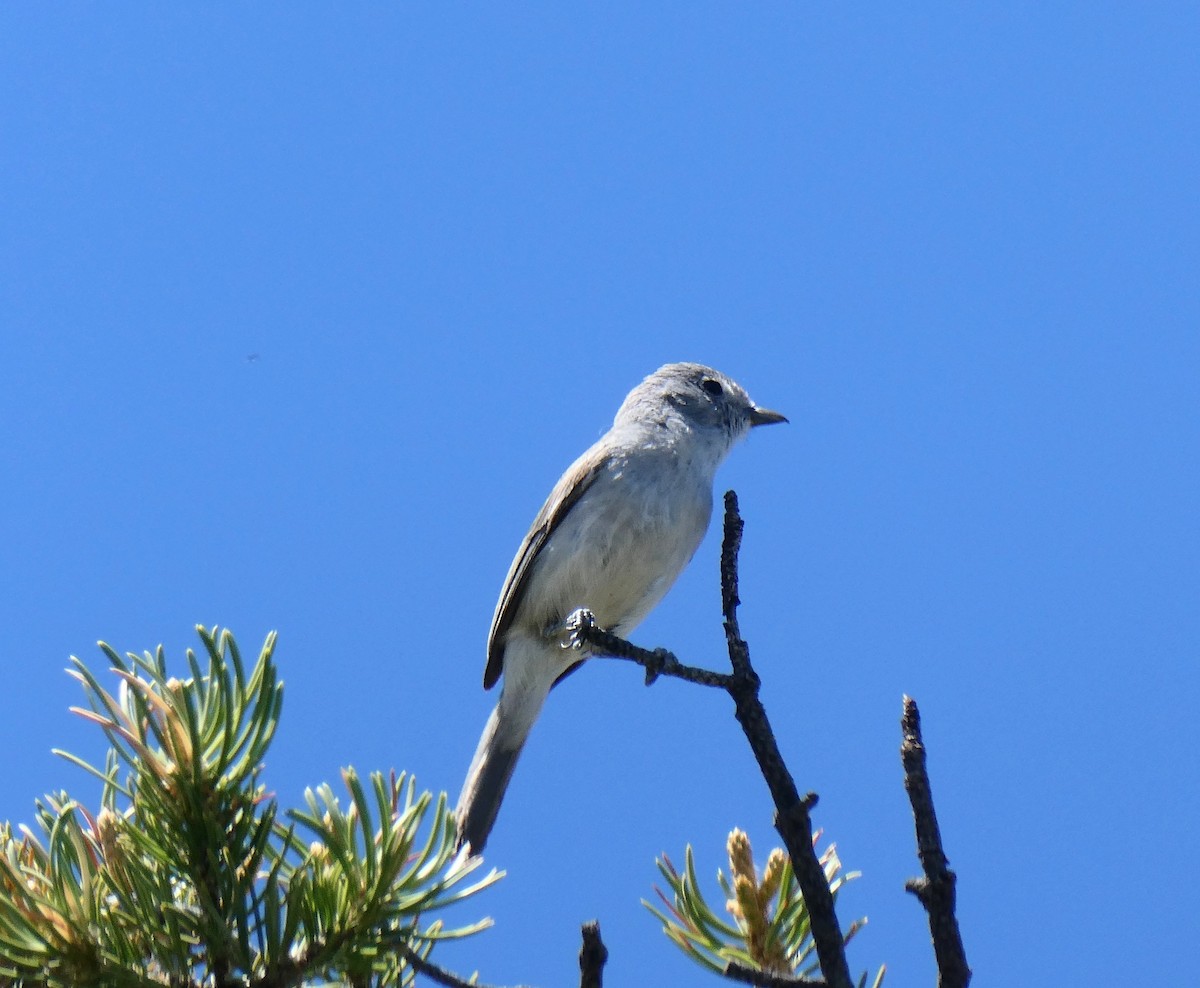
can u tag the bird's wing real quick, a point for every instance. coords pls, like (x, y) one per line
(566, 494)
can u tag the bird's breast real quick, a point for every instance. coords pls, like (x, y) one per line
(620, 547)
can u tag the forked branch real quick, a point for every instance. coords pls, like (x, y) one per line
(936, 890)
(791, 809)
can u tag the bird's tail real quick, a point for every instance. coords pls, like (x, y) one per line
(487, 778)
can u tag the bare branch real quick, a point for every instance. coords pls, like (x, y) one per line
(937, 889)
(592, 957)
(657, 662)
(791, 809)
(752, 976)
(439, 976)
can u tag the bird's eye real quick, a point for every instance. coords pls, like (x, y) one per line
(712, 387)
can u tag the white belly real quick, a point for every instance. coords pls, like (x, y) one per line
(619, 550)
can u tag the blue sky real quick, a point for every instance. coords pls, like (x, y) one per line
(958, 248)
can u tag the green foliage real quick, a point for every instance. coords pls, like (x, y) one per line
(769, 931)
(187, 875)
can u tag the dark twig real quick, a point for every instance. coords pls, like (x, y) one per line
(439, 976)
(592, 956)
(791, 809)
(937, 889)
(582, 627)
(752, 976)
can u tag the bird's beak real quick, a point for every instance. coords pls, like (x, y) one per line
(764, 416)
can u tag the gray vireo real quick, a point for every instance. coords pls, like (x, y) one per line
(616, 531)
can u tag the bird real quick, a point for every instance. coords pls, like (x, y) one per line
(617, 529)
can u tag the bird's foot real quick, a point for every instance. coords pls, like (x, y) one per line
(658, 662)
(577, 624)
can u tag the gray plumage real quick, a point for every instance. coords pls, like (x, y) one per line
(617, 529)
